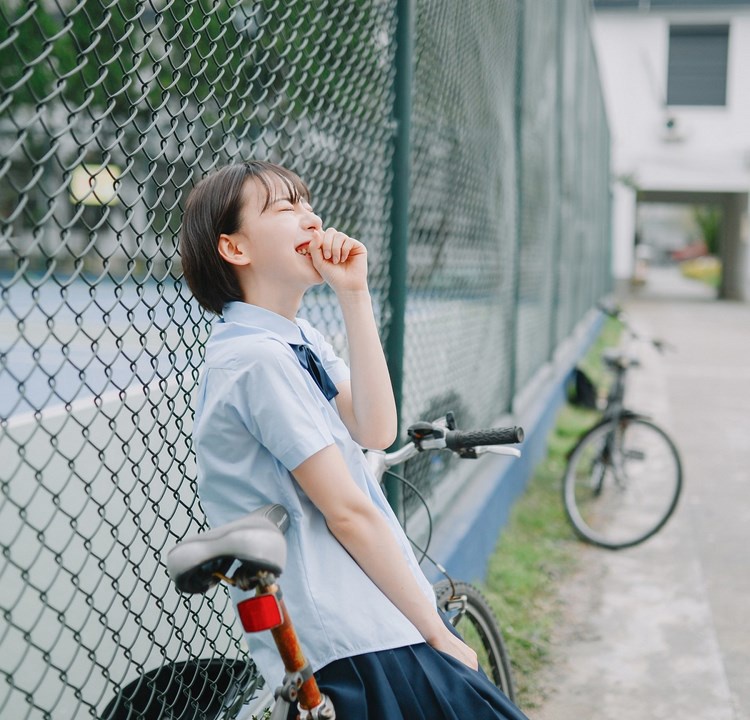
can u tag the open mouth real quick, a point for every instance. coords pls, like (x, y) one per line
(302, 249)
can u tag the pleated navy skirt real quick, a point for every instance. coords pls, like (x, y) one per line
(415, 682)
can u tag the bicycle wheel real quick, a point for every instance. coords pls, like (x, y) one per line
(622, 482)
(472, 616)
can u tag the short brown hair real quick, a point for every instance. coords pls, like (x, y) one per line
(213, 208)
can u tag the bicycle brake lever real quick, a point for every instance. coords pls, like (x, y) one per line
(498, 450)
(426, 436)
(423, 430)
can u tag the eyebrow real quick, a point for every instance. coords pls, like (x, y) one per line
(300, 199)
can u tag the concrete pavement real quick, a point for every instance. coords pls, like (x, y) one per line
(662, 630)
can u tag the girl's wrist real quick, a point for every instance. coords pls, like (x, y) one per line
(432, 629)
(353, 296)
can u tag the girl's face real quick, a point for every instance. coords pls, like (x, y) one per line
(275, 230)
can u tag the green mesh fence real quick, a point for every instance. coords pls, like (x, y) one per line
(463, 220)
(110, 110)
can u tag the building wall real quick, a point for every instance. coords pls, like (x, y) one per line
(706, 150)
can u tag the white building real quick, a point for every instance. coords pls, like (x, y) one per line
(675, 80)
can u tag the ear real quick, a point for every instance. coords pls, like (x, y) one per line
(233, 249)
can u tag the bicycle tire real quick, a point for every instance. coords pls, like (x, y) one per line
(480, 629)
(622, 482)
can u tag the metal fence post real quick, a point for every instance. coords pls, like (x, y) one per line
(518, 133)
(400, 194)
(560, 179)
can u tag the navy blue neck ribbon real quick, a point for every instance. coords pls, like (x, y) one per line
(311, 362)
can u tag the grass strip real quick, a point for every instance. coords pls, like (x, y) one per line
(537, 549)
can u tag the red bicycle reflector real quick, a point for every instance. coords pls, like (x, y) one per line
(261, 612)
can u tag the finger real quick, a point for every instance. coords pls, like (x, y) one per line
(315, 248)
(467, 655)
(351, 248)
(317, 242)
(328, 237)
(346, 248)
(469, 659)
(357, 247)
(336, 246)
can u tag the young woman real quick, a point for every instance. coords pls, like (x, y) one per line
(281, 419)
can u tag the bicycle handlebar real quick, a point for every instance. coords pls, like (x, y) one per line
(618, 314)
(460, 440)
(466, 443)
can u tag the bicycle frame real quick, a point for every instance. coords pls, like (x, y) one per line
(381, 461)
(619, 366)
(616, 395)
(299, 682)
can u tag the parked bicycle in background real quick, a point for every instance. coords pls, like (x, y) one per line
(624, 477)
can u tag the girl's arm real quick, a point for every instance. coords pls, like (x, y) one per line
(363, 531)
(366, 404)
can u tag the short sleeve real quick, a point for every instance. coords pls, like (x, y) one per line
(274, 402)
(336, 368)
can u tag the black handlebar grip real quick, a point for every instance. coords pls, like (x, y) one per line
(459, 440)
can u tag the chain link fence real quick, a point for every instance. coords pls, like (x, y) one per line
(110, 110)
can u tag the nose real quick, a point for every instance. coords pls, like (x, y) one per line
(311, 221)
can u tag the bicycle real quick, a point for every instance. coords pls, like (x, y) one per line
(254, 546)
(624, 476)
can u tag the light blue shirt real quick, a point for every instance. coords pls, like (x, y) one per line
(258, 416)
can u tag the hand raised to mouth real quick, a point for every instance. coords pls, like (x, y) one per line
(341, 260)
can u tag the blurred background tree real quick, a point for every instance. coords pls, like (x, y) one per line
(708, 219)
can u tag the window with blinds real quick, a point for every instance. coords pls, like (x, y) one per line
(697, 72)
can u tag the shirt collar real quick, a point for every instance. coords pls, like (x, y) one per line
(253, 316)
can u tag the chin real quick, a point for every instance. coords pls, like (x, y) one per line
(318, 278)
(315, 282)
